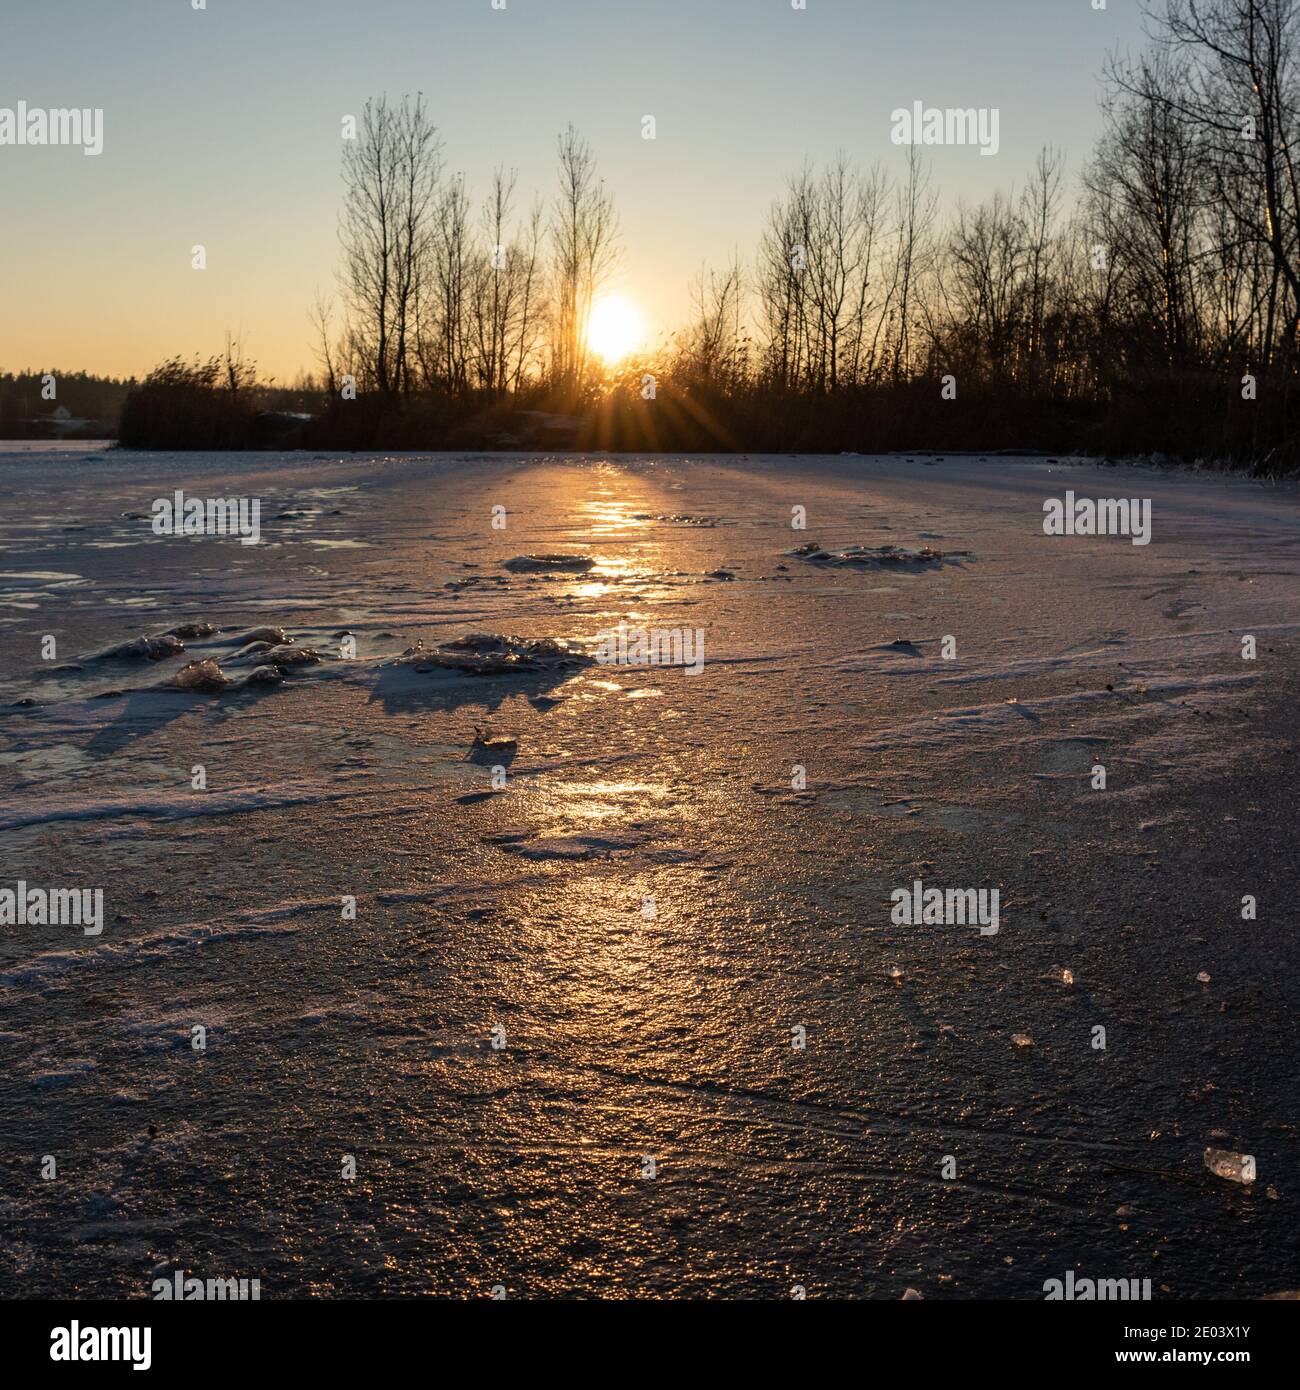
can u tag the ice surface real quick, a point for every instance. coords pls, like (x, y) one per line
(678, 870)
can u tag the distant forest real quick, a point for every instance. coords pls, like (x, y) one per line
(26, 413)
(1151, 309)
(94, 403)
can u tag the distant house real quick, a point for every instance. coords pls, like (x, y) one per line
(60, 423)
(63, 421)
(280, 426)
(540, 429)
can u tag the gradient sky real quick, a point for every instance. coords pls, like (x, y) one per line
(222, 127)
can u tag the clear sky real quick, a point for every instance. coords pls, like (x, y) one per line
(222, 127)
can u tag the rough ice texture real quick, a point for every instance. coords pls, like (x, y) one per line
(653, 899)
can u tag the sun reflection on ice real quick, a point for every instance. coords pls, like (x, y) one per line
(599, 801)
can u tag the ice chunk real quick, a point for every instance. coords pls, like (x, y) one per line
(486, 744)
(264, 675)
(489, 654)
(1223, 1163)
(285, 655)
(141, 649)
(872, 556)
(276, 636)
(532, 564)
(200, 676)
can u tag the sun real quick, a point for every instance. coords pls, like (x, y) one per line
(614, 329)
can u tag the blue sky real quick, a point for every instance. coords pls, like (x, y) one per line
(222, 127)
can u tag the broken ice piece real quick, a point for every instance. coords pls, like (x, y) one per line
(1223, 1163)
(264, 675)
(1022, 1040)
(490, 744)
(286, 655)
(868, 556)
(277, 636)
(201, 676)
(528, 564)
(486, 653)
(1204, 977)
(910, 1293)
(140, 649)
(497, 745)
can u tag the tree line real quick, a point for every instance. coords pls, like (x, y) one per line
(441, 295)
(1181, 251)
(1148, 300)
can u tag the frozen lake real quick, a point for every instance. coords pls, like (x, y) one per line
(605, 958)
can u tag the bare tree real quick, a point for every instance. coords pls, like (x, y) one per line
(322, 321)
(583, 231)
(983, 272)
(390, 173)
(711, 350)
(1039, 207)
(1238, 97)
(818, 278)
(447, 341)
(916, 204)
(495, 292)
(782, 266)
(526, 267)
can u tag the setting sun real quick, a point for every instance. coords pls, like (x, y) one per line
(614, 329)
